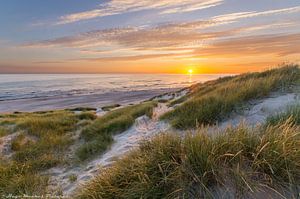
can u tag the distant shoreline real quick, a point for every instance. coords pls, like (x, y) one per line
(30, 93)
(92, 100)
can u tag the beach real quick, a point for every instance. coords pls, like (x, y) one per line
(92, 100)
(28, 93)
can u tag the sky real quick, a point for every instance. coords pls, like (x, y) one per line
(148, 36)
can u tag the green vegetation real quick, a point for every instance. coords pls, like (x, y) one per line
(43, 137)
(162, 100)
(87, 116)
(238, 161)
(292, 113)
(3, 131)
(215, 100)
(40, 144)
(110, 107)
(17, 179)
(179, 100)
(50, 130)
(99, 135)
(72, 178)
(19, 142)
(82, 109)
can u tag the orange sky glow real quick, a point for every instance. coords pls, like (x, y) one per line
(206, 36)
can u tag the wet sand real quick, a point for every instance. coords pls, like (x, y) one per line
(93, 100)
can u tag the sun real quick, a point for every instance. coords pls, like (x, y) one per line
(190, 71)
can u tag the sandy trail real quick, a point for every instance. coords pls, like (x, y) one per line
(5, 145)
(261, 109)
(143, 129)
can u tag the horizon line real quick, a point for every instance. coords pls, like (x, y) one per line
(121, 73)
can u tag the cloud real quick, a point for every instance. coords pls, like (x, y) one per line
(280, 45)
(270, 26)
(114, 7)
(49, 62)
(87, 39)
(188, 39)
(132, 58)
(192, 6)
(153, 38)
(169, 36)
(241, 15)
(276, 44)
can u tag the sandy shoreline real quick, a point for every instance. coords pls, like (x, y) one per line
(93, 100)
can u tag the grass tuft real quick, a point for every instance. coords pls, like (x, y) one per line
(19, 179)
(238, 162)
(40, 144)
(110, 107)
(72, 178)
(82, 109)
(98, 135)
(3, 132)
(292, 112)
(87, 116)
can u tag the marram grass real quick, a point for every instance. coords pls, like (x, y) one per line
(40, 144)
(292, 112)
(99, 134)
(236, 163)
(213, 101)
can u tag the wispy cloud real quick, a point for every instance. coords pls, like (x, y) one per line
(49, 62)
(114, 7)
(276, 44)
(240, 15)
(187, 39)
(191, 6)
(134, 57)
(174, 36)
(161, 43)
(273, 44)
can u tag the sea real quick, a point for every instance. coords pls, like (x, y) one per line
(16, 87)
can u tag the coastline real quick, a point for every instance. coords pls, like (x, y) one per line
(73, 151)
(93, 100)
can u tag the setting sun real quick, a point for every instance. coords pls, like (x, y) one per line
(190, 71)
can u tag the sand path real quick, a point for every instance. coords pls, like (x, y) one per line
(260, 110)
(143, 129)
(5, 145)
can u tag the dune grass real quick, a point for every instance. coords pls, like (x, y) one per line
(110, 107)
(3, 131)
(87, 116)
(18, 179)
(238, 162)
(40, 144)
(213, 101)
(82, 109)
(292, 112)
(99, 135)
(48, 138)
